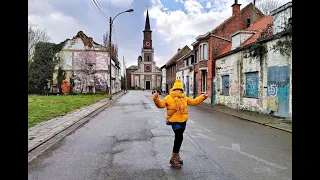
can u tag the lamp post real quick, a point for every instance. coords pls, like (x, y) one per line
(110, 52)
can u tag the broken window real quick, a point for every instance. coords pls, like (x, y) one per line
(248, 22)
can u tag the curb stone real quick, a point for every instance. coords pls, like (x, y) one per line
(271, 123)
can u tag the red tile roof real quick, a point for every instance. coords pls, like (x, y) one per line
(258, 26)
(226, 49)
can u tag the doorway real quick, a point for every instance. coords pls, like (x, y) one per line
(147, 84)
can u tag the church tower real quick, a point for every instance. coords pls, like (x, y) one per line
(147, 53)
(147, 38)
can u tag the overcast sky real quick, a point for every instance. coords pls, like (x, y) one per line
(175, 23)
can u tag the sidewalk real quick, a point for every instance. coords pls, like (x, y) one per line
(44, 131)
(271, 121)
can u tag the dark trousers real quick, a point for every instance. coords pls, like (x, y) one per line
(178, 139)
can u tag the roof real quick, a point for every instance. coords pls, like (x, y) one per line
(226, 21)
(147, 25)
(281, 8)
(87, 41)
(133, 67)
(191, 53)
(241, 11)
(176, 56)
(258, 26)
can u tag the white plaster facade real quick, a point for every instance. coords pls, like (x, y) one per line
(81, 54)
(164, 79)
(281, 17)
(186, 75)
(240, 37)
(236, 65)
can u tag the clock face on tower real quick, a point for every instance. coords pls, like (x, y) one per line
(147, 43)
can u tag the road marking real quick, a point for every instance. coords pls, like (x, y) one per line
(236, 148)
(200, 135)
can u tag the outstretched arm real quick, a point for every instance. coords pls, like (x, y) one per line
(159, 103)
(197, 100)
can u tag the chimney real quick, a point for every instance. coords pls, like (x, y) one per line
(235, 8)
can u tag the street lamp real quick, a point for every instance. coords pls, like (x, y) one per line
(111, 22)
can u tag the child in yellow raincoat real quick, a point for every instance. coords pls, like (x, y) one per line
(177, 115)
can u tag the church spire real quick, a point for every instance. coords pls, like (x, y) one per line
(147, 25)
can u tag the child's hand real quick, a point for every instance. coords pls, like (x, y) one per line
(155, 95)
(206, 95)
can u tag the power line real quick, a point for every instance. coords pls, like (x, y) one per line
(97, 10)
(100, 8)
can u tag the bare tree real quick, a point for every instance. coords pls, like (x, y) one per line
(35, 35)
(105, 39)
(266, 6)
(114, 47)
(84, 68)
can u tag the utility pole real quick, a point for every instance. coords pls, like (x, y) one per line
(125, 75)
(110, 54)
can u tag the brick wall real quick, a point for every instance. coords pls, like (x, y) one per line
(128, 75)
(237, 22)
(171, 78)
(180, 63)
(146, 57)
(147, 70)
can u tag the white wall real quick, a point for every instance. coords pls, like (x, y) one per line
(281, 17)
(236, 65)
(164, 79)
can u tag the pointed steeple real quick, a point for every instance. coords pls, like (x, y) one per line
(147, 25)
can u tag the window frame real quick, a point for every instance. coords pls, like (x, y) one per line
(246, 85)
(203, 54)
(223, 85)
(204, 78)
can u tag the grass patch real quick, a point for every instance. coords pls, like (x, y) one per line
(42, 108)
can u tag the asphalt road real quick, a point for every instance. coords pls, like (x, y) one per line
(129, 140)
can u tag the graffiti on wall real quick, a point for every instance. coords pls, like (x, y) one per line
(100, 82)
(235, 88)
(252, 84)
(279, 86)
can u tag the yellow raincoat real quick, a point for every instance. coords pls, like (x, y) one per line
(177, 104)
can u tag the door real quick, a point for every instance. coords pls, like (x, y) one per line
(213, 97)
(187, 86)
(196, 84)
(167, 89)
(279, 88)
(147, 84)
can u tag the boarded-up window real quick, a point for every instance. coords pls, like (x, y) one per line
(252, 84)
(225, 85)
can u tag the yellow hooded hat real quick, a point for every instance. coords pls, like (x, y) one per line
(177, 85)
